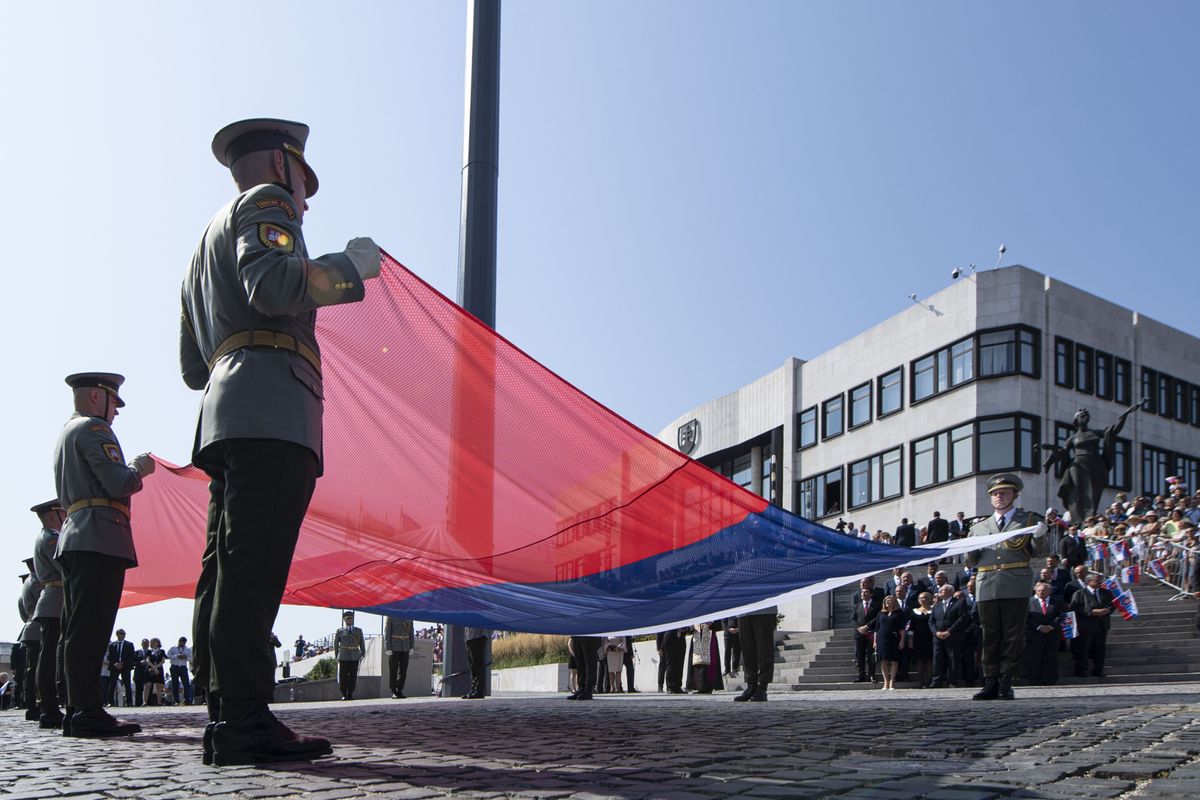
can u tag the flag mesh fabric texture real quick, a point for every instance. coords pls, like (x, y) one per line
(466, 483)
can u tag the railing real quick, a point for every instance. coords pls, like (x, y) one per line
(1170, 563)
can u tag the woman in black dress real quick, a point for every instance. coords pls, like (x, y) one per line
(922, 638)
(155, 659)
(889, 630)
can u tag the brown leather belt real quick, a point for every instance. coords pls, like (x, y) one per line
(275, 339)
(52, 584)
(1010, 565)
(97, 502)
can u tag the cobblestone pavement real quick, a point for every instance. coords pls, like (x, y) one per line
(1123, 741)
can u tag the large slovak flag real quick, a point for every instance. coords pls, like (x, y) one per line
(466, 483)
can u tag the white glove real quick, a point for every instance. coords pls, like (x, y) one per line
(1041, 530)
(364, 255)
(144, 464)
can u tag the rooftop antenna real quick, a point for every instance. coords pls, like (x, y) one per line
(927, 306)
(999, 255)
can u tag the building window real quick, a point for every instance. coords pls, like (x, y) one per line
(1166, 395)
(1104, 385)
(962, 362)
(943, 457)
(1155, 470)
(1083, 368)
(891, 392)
(832, 420)
(923, 377)
(1194, 404)
(1150, 389)
(806, 428)
(1064, 362)
(875, 479)
(943, 370)
(1181, 401)
(738, 470)
(1030, 350)
(1007, 443)
(821, 495)
(1187, 469)
(1118, 473)
(1122, 381)
(1008, 351)
(860, 405)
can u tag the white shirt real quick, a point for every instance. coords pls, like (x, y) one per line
(180, 656)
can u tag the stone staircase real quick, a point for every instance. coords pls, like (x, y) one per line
(1159, 646)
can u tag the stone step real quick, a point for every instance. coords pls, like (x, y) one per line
(1185, 677)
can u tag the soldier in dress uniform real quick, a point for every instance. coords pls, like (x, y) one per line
(349, 647)
(1003, 582)
(95, 546)
(47, 613)
(31, 635)
(248, 339)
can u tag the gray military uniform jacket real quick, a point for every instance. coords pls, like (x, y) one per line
(349, 645)
(88, 464)
(31, 589)
(398, 635)
(251, 272)
(49, 601)
(1003, 570)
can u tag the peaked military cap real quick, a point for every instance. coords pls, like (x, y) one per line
(49, 505)
(1005, 480)
(109, 381)
(252, 135)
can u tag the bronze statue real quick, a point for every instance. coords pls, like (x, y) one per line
(1086, 459)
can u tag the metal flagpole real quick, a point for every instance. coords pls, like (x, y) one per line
(471, 491)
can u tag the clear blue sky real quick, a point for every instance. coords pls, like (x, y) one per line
(690, 192)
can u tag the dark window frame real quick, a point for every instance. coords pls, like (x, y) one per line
(1150, 390)
(825, 434)
(823, 494)
(899, 373)
(1064, 362)
(1115, 481)
(800, 445)
(1106, 392)
(1085, 368)
(1122, 380)
(849, 477)
(849, 409)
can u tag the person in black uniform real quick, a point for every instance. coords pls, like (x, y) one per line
(757, 631)
(95, 546)
(248, 339)
(585, 649)
(30, 637)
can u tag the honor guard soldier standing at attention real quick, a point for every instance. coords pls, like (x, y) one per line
(95, 546)
(349, 647)
(47, 613)
(1003, 583)
(30, 636)
(248, 339)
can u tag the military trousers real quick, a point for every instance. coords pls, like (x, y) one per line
(476, 649)
(32, 656)
(1002, 624)
(48, 674)
(586, 650)
(259, 491)
(92, 585)
(347, 678)
(758, 647)
(397, 671)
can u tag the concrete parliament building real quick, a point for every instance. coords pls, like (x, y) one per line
(913, 415)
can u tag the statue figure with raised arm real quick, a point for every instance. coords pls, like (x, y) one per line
(1086, 458)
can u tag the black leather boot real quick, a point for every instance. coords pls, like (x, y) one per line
(1006, 691)
(751, 689)
(96, 723)
(990, 690)
(250, 734)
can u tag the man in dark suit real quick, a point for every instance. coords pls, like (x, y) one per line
(1072, 548)
(864, 612)
(674, 651)
(907, 599)
(938, 529)
(1093, 617)
(933, 581)
(1059, 577)
(1041, 646)
(1077, 583)
(889, 586)
(120, 665)
(948, 622)
(906, 534)
(959, 527)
